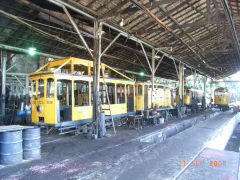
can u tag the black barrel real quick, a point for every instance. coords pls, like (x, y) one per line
(11, 151)
(31, 143)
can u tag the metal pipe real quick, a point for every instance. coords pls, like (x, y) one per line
(118, 72)
(16, 74)
(4, 61)
(111, 43)
(151, 15)
(19, 81)
(214, 82)
(27, 90)
(39, 30)
(21, 50)
(176, 68)
(124, 33)
(146, 57)
(65, 24)
(159, 63)
(58, 2)
(153, 74)
(12, 66)
(77, 30)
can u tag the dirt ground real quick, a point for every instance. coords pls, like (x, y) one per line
(78, 157)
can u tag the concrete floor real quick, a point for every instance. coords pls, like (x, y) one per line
(117, 157)
(234, 142)
(162, 161)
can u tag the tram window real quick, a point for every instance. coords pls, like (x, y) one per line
(50, 88)
(129, 90)
(120, 93)
(64, 92)
(187, 92)
(40, 88)
(111, 92)
(135, 90)
(81, 93)
(92, 90)
(34, 88)
(139, 90)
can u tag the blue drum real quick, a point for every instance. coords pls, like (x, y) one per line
(11, 151)
(31, 143)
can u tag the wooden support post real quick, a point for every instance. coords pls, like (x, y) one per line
(96, 76)
(204, 95)
(194, 83)
(211, 91)
(181, 85)
(27, 90)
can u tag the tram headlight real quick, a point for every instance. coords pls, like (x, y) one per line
(39, 108)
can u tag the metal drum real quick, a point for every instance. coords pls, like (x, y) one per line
(31, 143)
(11, 147)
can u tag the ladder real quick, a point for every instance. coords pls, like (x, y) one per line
(108, 101)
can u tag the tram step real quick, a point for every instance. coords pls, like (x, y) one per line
(67, 127)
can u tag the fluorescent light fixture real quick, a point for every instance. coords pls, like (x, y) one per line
(141, 73)
(32, 51)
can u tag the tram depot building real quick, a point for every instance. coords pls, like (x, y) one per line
(119, 89)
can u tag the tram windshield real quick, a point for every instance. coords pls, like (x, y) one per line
(50, 88)
(34, 88)
(40, 88)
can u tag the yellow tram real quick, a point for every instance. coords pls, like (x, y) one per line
(163, 96)
(187, 95)
(61, 93)
(223, 97)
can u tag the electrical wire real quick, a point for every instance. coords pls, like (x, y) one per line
(84, 33)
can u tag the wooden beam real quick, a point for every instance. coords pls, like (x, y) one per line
(142, 30)
(113, 12)
(164, 2)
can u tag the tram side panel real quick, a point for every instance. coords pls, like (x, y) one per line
(43, 104)
(140, 96)
(67, 98)
(82, 108)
